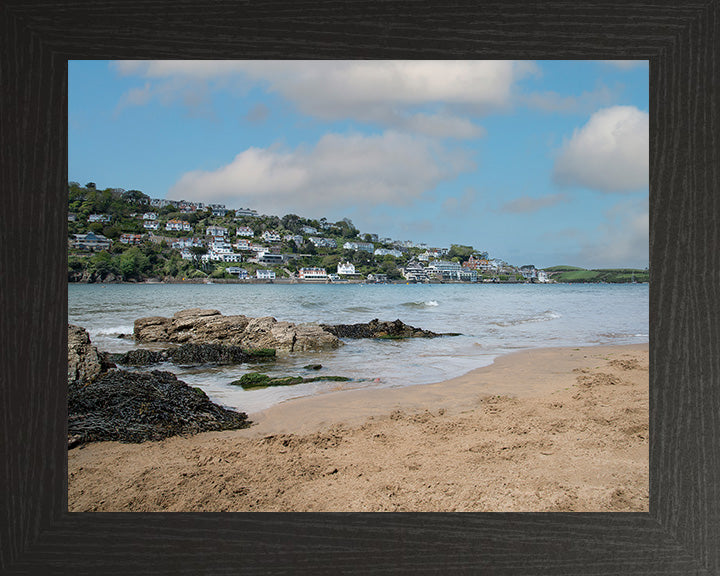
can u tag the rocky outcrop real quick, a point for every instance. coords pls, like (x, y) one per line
(85, 363)
(384, 330)
(107, 404)
(198, 326)
(194, 355)
(140, 406)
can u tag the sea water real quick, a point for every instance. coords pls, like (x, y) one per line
(493, 319)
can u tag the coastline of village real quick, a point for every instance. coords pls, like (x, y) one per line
(215, 252)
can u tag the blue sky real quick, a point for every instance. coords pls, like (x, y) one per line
(542, 162)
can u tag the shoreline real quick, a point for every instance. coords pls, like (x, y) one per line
(313, 413)
(293, 281)
(551, 429)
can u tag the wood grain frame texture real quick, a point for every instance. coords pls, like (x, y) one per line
(681, 533)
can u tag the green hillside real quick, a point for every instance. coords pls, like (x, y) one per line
(609, 275)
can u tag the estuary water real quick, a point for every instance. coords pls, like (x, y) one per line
(493, 319)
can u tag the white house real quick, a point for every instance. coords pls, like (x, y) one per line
(231, 257)
(151, 225)
(542, 277)
(179, 225)
(415, 272)
(98, 218)
(387, 252)
(270, 236)
(265, 274)
(308, 230)
(217, 231)
(366, 246)
(242, 244)
(246, 212)
(245, 231)
(445, 269)
(293, 238)
(312, 274)
(323, 242)
(149, 216)
(186, 243)
(346, 268)
(241, 272)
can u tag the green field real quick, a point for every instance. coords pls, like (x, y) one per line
(610, 275)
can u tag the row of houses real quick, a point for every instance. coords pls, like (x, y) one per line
(414, 271)
(188, 207)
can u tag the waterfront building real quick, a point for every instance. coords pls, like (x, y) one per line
(269, 258)
(265, 274)
(312, 274)
(346, 268)
(241, 272)
(415, 272)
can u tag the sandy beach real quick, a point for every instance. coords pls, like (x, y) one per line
(555, 429)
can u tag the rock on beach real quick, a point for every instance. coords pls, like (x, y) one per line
(200, 326)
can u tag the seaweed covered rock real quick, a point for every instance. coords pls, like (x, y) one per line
(85, 363)
(377, 329)
(255, 380)
(194, 355)
(140, 406)
(140, 357)
(198, 326)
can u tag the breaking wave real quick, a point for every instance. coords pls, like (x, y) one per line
(113, 330)
(545, 316)
(358, 309)
(421, 304)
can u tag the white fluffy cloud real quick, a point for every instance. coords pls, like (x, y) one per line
(611, 153)
(339, 172)
(389, 93)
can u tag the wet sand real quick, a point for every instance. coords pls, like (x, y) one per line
(555, 429)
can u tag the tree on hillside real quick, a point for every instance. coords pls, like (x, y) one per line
(460, 252)
(347, 228)
(136, 197)
(292, 222)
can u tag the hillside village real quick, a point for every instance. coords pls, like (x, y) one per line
(117, 235)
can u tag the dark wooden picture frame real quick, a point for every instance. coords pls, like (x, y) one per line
(680, 534)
